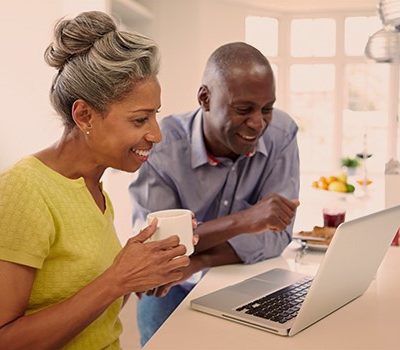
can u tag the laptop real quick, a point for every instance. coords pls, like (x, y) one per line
(285, 302)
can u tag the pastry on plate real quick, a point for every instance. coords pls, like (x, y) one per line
(318, 235)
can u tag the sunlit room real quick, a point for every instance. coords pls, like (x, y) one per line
(334, 71)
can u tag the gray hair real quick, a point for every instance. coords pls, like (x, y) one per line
(96, 62)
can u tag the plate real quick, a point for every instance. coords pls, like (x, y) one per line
(307, 238)
(317, 239)
(313, 244)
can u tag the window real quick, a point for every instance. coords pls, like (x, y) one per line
(365, 111)
(357, 31)
(262, 33)
(327, 85)
(312, 105)
(312, 37)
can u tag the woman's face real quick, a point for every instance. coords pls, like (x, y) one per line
(123, 137)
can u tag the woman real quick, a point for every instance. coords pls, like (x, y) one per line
(63, 274)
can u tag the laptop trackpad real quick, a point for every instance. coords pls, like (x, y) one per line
(253, 288)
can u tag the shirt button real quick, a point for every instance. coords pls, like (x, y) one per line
(233, 168)
(226, 202)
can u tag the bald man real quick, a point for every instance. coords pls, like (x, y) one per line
(234, 162)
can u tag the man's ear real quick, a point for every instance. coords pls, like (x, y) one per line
(203, 96)
(83, 115)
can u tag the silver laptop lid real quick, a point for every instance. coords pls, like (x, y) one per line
(350, 264)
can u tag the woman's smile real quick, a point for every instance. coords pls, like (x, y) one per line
(141, 154)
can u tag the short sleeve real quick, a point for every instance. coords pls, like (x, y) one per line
(26, 224)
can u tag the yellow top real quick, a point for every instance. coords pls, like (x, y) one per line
(53, 224)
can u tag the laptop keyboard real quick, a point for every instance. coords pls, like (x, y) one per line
(280, 306)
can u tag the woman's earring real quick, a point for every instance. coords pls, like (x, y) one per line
(87, 131)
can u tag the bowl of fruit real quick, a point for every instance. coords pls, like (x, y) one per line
(337, 183)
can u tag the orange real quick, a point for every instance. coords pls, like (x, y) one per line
(322, 179)
(314, 184)
(331, 179)
(322, 185)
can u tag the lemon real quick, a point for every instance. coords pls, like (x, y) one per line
(342, 177)
(366, 182)
(337, 186)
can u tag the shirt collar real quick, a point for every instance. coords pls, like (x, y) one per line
(212, 160)
(199, 151)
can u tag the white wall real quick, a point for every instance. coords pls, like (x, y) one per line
(27, 121)
(187, 32)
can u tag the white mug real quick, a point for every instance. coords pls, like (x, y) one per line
(174, 222)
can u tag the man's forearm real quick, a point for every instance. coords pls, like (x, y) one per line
(215, 232)
(222, 254)
(272, 213)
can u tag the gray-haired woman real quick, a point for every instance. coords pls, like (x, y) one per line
(63, 275)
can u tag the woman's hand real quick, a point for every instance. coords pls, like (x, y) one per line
(142, 266)
(185, 271)
(196, 265)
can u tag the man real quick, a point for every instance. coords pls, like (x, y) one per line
(234, 163)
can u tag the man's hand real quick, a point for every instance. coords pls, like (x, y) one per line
(274, 212)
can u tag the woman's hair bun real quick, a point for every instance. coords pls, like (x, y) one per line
(77, 36)
(96, 62)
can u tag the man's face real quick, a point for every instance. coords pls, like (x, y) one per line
(240, 109)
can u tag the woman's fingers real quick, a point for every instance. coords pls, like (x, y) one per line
(169, 247)
(179, 262)
(146, 233)
(166, 243)
(172, 253)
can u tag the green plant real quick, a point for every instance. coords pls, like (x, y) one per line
(350, 162)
